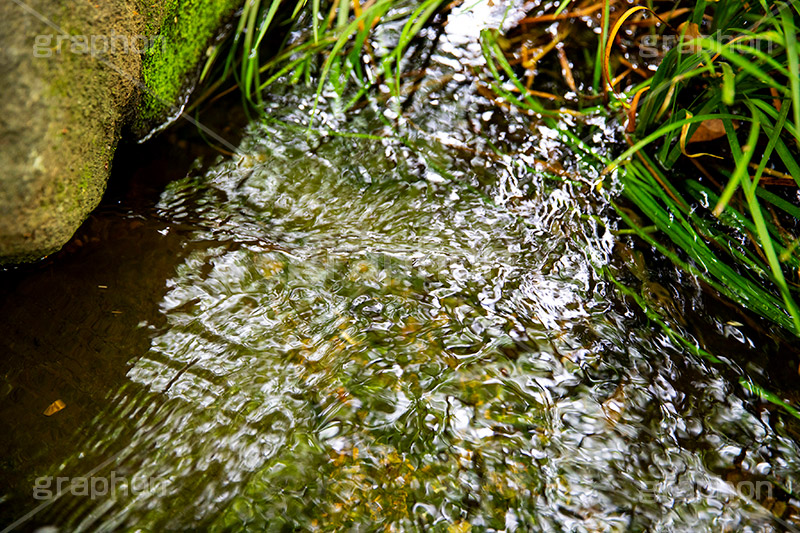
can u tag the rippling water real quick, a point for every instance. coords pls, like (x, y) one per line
(409, 332)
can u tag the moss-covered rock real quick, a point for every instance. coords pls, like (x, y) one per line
(176, 59)
(74, 74)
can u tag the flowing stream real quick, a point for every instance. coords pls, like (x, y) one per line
(403, 326)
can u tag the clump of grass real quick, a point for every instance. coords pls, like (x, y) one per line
(338, 31)
(729, 79)
(725, 227)
(734, 64)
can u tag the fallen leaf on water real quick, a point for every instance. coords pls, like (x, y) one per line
(459, 527)
(613, 410)
(54, 407)
(614, 407)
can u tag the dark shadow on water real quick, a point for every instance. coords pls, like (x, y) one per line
(72, 323)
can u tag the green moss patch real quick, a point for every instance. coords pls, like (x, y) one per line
(184, 29)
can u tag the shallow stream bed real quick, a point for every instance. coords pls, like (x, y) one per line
(392, 328)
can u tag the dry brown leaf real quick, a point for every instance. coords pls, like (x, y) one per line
(685, 133)
(692, 30)
(54, 407)
(708, 131)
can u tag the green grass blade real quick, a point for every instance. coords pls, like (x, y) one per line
(728, 85)
(790, 34)
(768, 396)
(758, 219)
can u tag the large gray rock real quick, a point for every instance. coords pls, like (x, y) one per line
(72, 74)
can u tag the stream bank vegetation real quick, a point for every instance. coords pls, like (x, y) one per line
(705, 96)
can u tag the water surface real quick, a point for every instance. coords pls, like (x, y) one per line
(402, 326)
